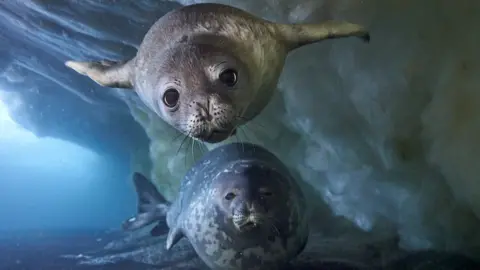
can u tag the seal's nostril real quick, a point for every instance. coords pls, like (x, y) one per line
(205, 113)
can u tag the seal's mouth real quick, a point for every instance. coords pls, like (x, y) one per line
(246, 226)
(249, 225)
(217, 136)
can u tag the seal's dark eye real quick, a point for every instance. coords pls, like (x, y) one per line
(228, 77)
(229, 196)
(170, 97)
(267, 193)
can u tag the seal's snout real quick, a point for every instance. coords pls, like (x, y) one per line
(249, 225)
(213, 119)
(205, 114)
(248, 222)
(247, 217)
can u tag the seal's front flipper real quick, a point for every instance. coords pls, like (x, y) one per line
(174, 235)
(297, 35)
(152, 206)
(106, 73)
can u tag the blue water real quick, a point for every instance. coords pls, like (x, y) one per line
(58, 198)
(67, 197)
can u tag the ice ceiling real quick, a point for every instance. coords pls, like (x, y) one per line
(387, 133)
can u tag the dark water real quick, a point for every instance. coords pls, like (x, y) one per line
(42, 250)
(90, 250)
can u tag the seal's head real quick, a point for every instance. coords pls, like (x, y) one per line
(200, 89)
(207, 68)
(251, 196)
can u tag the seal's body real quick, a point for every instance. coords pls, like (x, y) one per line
(238, 206)
(207, 68)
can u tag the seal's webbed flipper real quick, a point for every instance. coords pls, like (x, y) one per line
(160, 229)
(106, 73)
(174, 235)
(152, 206)
(297, 35)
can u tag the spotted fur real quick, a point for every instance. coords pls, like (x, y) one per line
(215, 226)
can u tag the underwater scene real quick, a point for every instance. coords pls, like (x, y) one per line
(239, 135)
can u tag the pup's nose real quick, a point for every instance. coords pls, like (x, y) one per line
(249, 208)
(245, 209)
(205, 114)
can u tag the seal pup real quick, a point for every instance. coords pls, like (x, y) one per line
(207, 68)
(238, 206)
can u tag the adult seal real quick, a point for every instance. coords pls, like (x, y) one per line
(239, 207)
(207, 68)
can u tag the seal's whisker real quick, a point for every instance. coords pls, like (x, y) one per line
(243, 133)
(246, 135)
(275, 229)
(251, 122)
(239, 139)
(190, 145)
(270, 225)
(255, 129)
(252, 97)
(252, 130)
(243, 145)
(272, 217)
(181, 144)
(272, 221)
(176, 137)
(203, 148)
(251, 134)
(245, 108)
(194, 143)
(181, 129)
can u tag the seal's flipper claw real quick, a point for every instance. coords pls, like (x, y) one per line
(138, 221)
(106, 73)
(174, 235)
(297, 35)
(366, 38)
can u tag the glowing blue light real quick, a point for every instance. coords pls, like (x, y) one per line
(20, 148)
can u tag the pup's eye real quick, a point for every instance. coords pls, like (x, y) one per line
(229, 196)
(267, 193)
(171, 97)
(228, 77)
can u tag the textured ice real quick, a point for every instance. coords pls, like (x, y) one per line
(139, 247)
(387, 133)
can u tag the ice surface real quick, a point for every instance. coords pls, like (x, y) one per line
(386, 132)
(140, 247)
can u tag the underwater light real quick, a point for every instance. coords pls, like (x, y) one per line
(20, 147)
(9, 129)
